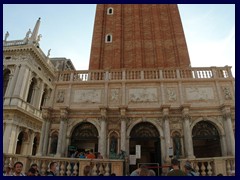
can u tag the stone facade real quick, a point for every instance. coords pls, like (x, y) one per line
(188, 110)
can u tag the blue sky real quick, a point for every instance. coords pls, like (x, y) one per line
(67, 30)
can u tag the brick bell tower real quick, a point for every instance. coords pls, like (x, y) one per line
(138, 36)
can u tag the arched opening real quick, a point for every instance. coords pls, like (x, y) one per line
(6, 74)
(31, 90)
(108, 38)
(35, 146)
(44, 97)
(110, 11)
(85, 137)
(22, 137)
(147, 136)
(53, 145)
(206, 140)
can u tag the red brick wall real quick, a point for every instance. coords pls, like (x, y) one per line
(144, 36)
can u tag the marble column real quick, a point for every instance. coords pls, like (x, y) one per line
(123, 134)
(103, 135)
(12, 81)
(166, 127)
(21, 81)
(61, 139)
(230, 139)
(60, 135)
(123, 127)
(188, 143)
(10, 130)
(46, 137)
(103, 131)
(40, 148)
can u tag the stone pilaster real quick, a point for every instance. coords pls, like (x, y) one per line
(40, 148)
(61, 138)
(165, 112)
(8, 136)
(123, 127)
(103, 132)
(227, 121)
(12, 81)
(188, 143)
(46, 115)
(46, 137)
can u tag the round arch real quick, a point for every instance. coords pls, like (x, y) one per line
(147, 135)
(206, 140)
(85, 137)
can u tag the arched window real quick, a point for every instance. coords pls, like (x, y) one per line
(6, 75)
(108, 38)
(44, 97)
(31, 90)
(110, 11)
(54, 141)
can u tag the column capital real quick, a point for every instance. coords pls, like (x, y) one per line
(103, 111)
(46, 112)
(64, 113)
(123, 110)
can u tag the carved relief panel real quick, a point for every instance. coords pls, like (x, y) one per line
(142, 95)
(171, 94)
(195, 93)
(114, 96)
(60, 96)
(89, 96)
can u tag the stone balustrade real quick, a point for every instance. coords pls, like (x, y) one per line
(68, 166)
(74, 166)
(211, 166)
(145, 74)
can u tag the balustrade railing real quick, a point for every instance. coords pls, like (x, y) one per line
(212, 166)
(67, 166)
(145, 74)
(75, 166)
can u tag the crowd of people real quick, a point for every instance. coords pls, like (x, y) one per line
(88, 155)
(143, 170)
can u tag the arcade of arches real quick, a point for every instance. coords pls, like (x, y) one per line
(205, 136)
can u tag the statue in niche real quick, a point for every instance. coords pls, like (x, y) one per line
(60, 97)
(113, 148)
(177, 146)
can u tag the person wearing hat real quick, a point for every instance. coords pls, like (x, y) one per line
(189, 170)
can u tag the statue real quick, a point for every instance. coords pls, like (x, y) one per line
(177, 143)
(28, 34)
(122, 154)
(48, 52)
(6, 36)
(113, 145)
(39, 37)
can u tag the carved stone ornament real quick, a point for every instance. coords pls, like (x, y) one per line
(227, 93)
